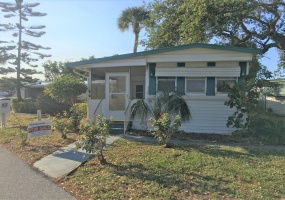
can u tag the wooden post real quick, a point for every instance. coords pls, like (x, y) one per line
(39, 115)
(3, 120)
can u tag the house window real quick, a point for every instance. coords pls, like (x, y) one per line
(166, 83)
(196, 85)
(211, 64)
(180, 64)
(139, 91)
(222, 83)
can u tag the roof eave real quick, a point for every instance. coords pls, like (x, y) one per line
(168, 49)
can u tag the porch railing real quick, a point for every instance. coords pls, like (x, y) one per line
(97, 111)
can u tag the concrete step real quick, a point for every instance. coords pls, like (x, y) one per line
(117, 128)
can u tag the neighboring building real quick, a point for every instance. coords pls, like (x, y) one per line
(33, 90)
(195, 70)
(275, 98)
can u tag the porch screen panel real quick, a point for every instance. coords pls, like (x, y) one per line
(117, 93)
(97, 87)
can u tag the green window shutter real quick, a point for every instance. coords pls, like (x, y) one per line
(211, 64)
(211, 86)
(152, 79)
(180, 64)
(181, 85)
(242, 71)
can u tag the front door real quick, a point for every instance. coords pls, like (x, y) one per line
(117, 94)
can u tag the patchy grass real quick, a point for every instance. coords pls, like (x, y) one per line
(34, 149)
(148, 171)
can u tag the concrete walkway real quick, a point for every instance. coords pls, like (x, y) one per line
(19, 181)
(65, 160)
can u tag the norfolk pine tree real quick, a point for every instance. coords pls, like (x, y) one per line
(20, 51)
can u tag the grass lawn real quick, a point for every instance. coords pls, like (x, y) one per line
(149, 171)
(35, 148)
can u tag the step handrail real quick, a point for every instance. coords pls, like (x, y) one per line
(94, 113)
(125, 116)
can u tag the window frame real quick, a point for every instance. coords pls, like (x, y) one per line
(198, 78)
(175, 82)
(223, 78)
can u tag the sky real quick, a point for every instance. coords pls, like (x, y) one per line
(78, 29)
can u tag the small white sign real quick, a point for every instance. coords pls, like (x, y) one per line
(4, 106)
(40, 128)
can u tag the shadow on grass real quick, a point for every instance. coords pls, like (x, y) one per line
(196, 183)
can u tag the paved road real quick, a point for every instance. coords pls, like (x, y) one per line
(19, 181)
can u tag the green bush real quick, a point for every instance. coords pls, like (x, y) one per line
(95, 136)
(81, 109)
(25, 106)
(50, 106)
(266, 127)
(164, 128)
(61, 124)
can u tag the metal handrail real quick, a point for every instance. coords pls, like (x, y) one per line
(125, 118)
(97, 107)
(128, 107)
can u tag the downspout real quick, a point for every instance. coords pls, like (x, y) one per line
(74, 70)
(88, 79)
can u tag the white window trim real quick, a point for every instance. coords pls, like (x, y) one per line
(224, 78)
(198, 93)
(166, 76)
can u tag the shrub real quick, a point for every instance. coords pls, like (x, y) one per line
(95, 136)
(61, 125)
(25, 106)
(265, 127)
(50, 106)
(268, 128)
(81, 109)
(163, 128)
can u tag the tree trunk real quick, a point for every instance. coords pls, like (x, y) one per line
(136, 42)
(101, 158)
(18, 85)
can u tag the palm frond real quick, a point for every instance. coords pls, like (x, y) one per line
(141, 110)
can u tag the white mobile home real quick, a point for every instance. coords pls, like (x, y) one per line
(194, 70)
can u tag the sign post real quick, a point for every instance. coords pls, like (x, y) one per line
(4, 110)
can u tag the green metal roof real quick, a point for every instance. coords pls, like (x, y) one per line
(157, 51)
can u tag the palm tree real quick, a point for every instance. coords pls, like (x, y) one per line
(167, 102)
(133, 17)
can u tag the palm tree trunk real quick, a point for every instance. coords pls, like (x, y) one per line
(136, 42)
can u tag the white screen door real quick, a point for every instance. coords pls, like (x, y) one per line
(117, 93)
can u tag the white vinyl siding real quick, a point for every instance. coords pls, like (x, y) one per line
(208, 115)
(199, 71)
(195, 85)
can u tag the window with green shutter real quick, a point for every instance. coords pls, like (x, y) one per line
(152, 79)
(181, 85)
(210, 86)
(242, 71)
